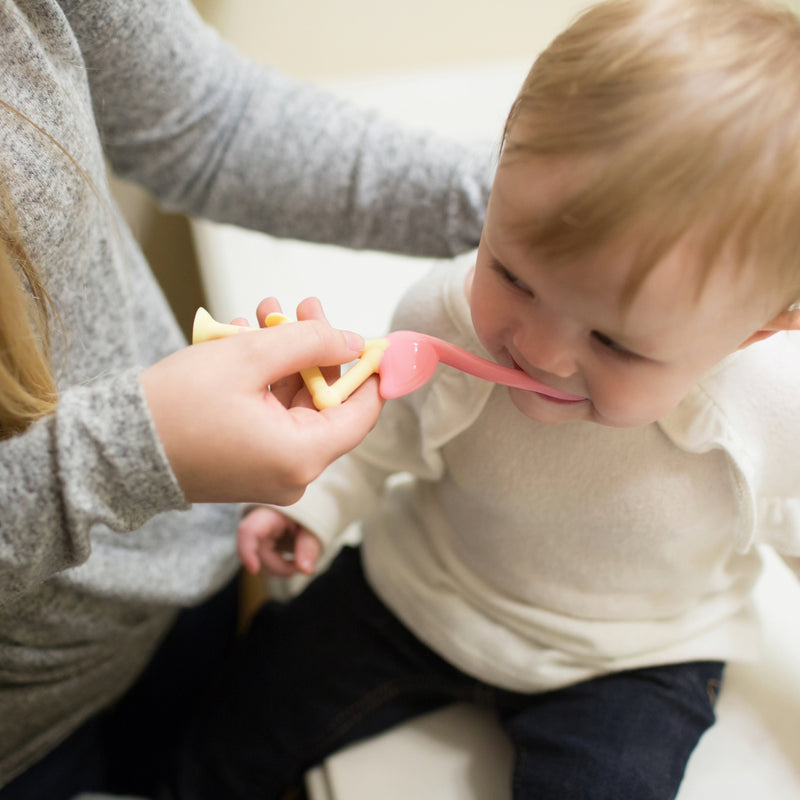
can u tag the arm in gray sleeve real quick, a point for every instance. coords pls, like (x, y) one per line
(96, 460)
(212, 134)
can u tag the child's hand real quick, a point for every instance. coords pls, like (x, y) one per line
(269, 540)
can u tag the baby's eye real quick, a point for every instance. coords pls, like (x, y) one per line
(509, 277)
(610, 344)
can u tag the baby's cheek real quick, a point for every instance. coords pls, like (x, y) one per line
(629, 407)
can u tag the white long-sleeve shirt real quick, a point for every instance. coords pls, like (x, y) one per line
(532, 556)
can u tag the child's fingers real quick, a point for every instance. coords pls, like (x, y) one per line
(306, 551)
(276, 563)
(258, 534)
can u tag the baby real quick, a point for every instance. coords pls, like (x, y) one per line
(587, 581)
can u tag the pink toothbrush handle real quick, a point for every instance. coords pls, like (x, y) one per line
(481, 368)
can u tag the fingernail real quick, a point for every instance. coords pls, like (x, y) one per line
(304, 565)
(354, 341)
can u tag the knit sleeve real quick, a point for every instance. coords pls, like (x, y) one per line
(96, 461)
(215, 135)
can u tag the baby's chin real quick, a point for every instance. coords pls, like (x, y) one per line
(548, 411)
(623, 421)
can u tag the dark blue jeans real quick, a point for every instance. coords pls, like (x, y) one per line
(131, 748)
(335, 665)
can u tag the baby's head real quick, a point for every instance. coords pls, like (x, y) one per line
(644, 218)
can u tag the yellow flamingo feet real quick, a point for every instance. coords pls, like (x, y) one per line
(323, 394)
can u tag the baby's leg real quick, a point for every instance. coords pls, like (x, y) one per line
(626, 736)
(328, 668)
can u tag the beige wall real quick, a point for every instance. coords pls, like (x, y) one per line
(344, 37)
(332, 38)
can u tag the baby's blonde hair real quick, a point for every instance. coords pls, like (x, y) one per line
(687, 113)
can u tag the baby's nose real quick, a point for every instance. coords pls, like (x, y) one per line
(559, 363)
(548, 348)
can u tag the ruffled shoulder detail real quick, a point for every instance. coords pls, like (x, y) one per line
(749, 406)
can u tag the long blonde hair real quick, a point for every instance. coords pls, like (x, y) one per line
(27, 387)
(686, 111)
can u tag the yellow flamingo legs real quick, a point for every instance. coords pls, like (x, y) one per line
(324, 395)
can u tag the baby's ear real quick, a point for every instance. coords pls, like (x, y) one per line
(788, 320)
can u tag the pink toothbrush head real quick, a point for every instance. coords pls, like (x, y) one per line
(407, 364)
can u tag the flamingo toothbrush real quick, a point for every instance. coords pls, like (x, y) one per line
(404, 361)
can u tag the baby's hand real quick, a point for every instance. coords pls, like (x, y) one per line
(271, 541)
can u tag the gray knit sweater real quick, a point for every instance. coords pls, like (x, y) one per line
(98, 547)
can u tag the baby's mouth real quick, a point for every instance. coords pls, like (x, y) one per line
(547, 392)
(560, 400)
